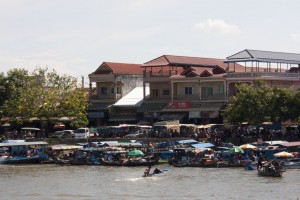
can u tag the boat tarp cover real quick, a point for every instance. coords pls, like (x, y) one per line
(22, 144)
(203, 145)
(187, 141)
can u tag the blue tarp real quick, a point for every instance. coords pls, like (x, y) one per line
(166, 144)
(203, 145)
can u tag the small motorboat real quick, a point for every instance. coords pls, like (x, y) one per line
(158, 172)
(271, 168)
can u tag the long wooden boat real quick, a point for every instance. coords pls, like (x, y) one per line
(17, 152)
(203, 163)
(20, 160)
(130, 163)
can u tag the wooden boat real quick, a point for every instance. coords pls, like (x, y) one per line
(21, 152)
(130, 162)
(271, 168)
(201, 163)
(20, 160)
(293, 163)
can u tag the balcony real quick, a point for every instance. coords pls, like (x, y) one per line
(196, 97)
(185, 97)
(220, 97)
(107, 97)
(159, 74)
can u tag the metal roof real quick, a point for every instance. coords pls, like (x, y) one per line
(248, 55)
(134, 98)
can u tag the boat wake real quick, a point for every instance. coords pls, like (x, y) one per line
(135, 179)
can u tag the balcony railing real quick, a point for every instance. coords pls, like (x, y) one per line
(159, 74)
(187, 97)
(107, 97)
(262, 74)
(197, 97)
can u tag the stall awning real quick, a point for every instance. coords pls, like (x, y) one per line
(171, 117)
(122, 118)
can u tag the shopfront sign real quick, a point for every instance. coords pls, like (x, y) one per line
(178, 104)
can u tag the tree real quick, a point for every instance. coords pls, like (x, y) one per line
(295, 107)
(251, 104)
(282, 104)
(48, 96)
(11, 84)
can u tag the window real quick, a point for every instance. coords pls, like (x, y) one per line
(155, 92)
(166, 92)
(104, 91)
(113, 90)
(207, 91)
(188, 90)
(221, 89)
(118, 90)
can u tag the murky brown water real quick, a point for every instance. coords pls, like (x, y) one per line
(99, 182)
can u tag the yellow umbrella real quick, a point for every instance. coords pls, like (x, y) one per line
(248, 146)
(284, 154)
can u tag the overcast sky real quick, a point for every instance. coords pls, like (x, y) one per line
(75, 36)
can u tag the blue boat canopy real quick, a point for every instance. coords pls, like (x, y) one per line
(191, 141)
(203, 145)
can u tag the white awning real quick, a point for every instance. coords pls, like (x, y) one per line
(133, 98)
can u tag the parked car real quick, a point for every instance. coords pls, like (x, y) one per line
(82, 133)
(135, 134)
(56, 134)
(68, 134)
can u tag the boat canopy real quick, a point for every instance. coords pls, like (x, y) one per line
(202, 145)
(23, 144)
(65, 147)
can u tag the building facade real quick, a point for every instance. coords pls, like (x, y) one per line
(112, 82)
(189, 89)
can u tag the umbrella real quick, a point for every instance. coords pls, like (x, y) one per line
(248, 146)
(236, 149)
(284, 154)
(6, 125)
(58, 126)
(135, 152)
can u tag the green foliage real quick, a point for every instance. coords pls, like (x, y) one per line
(258, 103)
(46, 95)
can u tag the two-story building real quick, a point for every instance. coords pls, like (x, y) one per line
(112, 82)
(189, 89)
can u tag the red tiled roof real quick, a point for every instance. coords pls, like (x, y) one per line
(185, 60)
(200, 70)
(119, 68)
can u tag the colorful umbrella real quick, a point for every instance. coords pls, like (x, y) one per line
(236, 150)
(284, 154)
(59, 126)
(248, 146)
(135, 152)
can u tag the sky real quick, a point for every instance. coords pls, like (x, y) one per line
(74, 37)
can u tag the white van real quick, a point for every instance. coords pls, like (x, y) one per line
(82, 133)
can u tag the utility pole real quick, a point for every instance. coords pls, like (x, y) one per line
(82, 82)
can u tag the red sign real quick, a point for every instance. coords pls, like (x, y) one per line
(177, 104)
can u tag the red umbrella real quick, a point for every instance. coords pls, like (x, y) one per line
(59, 126)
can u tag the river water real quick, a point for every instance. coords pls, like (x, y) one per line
(100, 182)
